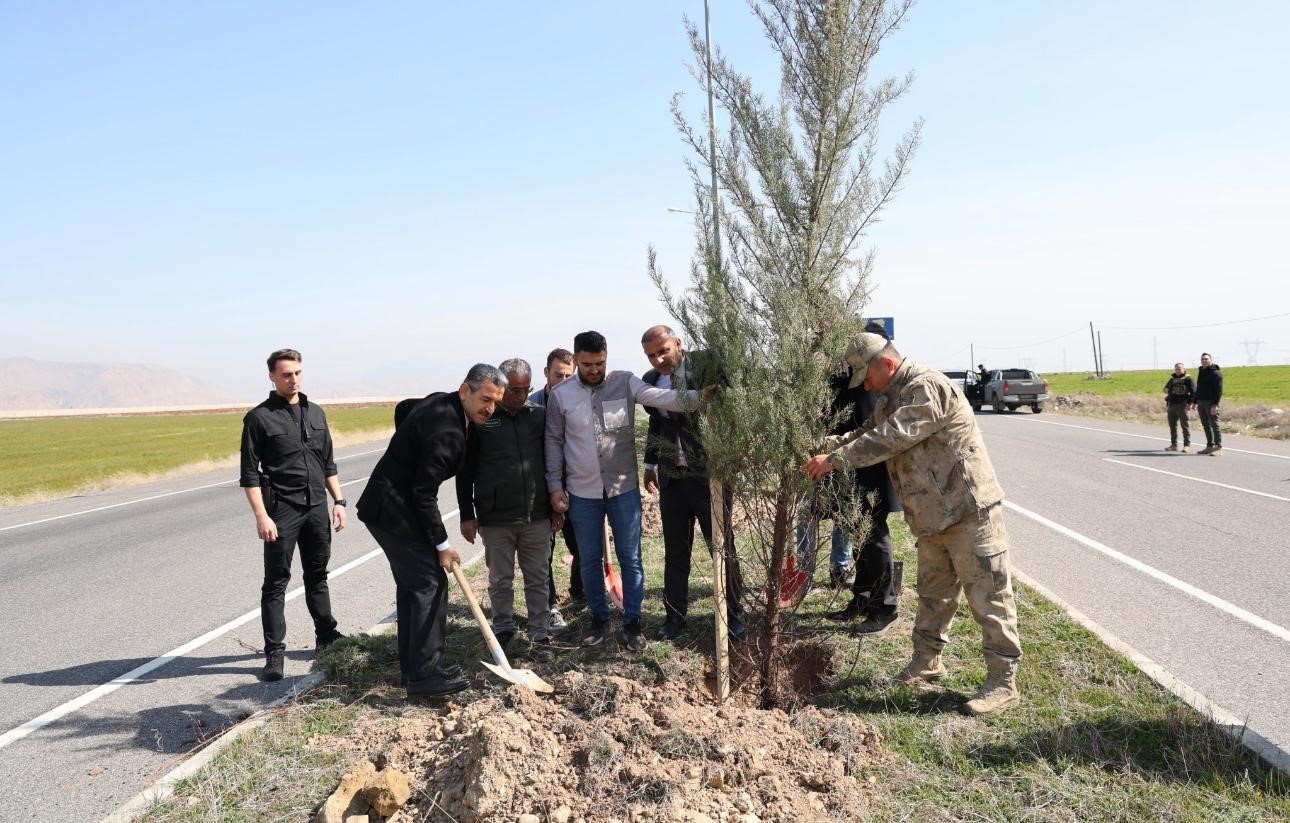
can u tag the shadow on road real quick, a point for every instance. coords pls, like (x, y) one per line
(1146, 453)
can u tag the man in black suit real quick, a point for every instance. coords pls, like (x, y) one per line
(400, 507)
(676, 468)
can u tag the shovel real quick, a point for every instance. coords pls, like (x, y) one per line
(795, 580)
(613, 580)
(500, 665)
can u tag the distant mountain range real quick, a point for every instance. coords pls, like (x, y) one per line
(29, 384)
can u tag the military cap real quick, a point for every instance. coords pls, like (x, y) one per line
(861, 351)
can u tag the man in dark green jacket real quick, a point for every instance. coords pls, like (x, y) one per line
(501, 490)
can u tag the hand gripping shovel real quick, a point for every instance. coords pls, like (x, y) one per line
(613, 580)
(500, 665)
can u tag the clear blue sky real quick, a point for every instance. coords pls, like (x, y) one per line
(401, 189)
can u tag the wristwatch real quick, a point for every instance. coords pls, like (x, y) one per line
(342, 502)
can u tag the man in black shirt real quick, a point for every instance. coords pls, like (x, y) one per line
(287, 470)
(1209, 391)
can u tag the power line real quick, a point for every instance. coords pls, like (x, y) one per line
(1198, 325)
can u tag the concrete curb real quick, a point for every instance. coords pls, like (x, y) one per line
(165, 785)
(1273, 754)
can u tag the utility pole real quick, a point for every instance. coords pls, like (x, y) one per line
(1097, 369)
(1101, 357)
(1252, 350)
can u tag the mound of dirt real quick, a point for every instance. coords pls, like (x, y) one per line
(609, 749)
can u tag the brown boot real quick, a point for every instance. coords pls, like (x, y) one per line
(999, 691)
(923, 668)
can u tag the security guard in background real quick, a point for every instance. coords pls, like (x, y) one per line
(925, 430)
(286, 463)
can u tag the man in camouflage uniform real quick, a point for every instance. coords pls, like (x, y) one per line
(926, 432)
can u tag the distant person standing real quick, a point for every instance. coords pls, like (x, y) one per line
(559, 368)
(1180, 395)
(983, 372)
(1209, 391)
(287, 471)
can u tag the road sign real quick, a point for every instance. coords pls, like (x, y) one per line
(888, 324)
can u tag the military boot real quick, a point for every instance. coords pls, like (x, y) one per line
(999, 691)
(925, 667)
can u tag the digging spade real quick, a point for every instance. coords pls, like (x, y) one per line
(500, 665)
(613, 580)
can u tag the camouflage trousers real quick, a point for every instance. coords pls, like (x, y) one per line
(969, 557)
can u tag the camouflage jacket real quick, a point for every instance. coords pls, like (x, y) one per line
(925, 430)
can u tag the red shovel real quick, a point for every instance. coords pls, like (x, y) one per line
(613, 580)
(795, 580)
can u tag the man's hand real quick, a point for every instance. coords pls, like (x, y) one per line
(557, 521)
(651, 481)
(709, 392)
(817, 466)
(449, 558)
(266, 528)
(1213, 412)
(559, 502)
(469, 528)
(338, 517)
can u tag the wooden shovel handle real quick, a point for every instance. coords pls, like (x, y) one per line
(495, 648)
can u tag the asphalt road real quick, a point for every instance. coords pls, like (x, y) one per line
(111, 582)
(1180, 556)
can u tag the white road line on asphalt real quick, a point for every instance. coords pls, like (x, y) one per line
(1169, 580)
(1197, 479)
(58, 712)
(1031, 419)
(154, 497)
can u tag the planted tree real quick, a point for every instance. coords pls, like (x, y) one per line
(800, 181)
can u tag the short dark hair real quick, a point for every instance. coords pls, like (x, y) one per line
(590, 341)
(283, 354)
(1207, 354)
(563, 355)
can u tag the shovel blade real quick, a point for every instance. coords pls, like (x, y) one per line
(521, 677)
(614, 585)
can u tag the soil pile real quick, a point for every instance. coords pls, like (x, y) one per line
(609, 749)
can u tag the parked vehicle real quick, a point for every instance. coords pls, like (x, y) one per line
(970, 382)
(1013, 388)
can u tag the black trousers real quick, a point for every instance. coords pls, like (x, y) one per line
(1209, 422)
(310, 528)
(681, 502)
(874, 581)
(420, 601)
(575, 579)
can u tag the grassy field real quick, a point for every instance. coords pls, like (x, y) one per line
(1093, 738)
(1245, 384)
(63, 455)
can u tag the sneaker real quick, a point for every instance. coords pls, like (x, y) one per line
(877, 623)
(1206, 450)
(327, 639)
(1171, 448)
(1216, 451)
(272, 668)
(1185, 447)
(597, 634)
(672, 628)
(634, 636)
(556, 622)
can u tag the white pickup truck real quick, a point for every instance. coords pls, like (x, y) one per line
(1013, 388)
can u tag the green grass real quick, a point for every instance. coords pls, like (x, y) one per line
(1092, 739)
(1246, 384)
(50, 456)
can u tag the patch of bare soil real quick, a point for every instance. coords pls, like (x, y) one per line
(608, 749)
(1257, 420)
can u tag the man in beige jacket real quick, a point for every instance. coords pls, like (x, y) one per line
(926, 432)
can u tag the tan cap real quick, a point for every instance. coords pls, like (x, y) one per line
(863, 348)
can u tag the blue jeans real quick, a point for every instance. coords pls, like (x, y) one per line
(588, 517)
(808, 539)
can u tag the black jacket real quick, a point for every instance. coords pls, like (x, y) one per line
(666, 427)
(291, 447)
(1209, 384)
(861, 403)
(402, 495)
(502, 481)
(1180, 389)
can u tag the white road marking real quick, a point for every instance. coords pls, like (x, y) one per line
(57, 713)
(1197, 479)
(154, 497)
(1031, 419)
(1169, 580)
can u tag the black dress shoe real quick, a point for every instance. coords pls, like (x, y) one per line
(326, 640)
(672, 628)
(877, 623)
(853, 610)
(272, 668)
(437, 686)
(448, 672)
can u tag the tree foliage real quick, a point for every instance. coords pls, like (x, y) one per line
(801, 180)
